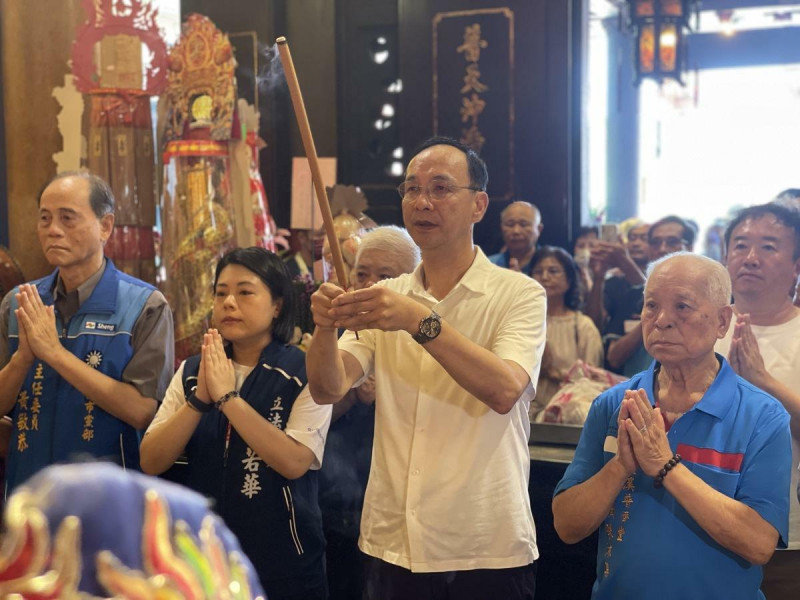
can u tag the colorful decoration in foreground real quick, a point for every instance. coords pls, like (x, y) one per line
(660, 27)
(107, 66)
(200, 214)
(97, 531)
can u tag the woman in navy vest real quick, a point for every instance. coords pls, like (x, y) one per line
(251, 433)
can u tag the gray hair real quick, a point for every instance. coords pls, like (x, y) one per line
(715, 277)
(101, 198)
(394, 240)
(537, 214)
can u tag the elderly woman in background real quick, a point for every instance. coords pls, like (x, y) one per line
(683, 468)
(384, 253)
(571, 335)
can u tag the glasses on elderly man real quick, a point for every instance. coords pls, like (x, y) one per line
(435, 190)
(669, 242)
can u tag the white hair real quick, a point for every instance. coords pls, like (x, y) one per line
(394, 241)
(714, 275)
(537, 215)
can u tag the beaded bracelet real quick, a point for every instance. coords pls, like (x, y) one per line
(225, 398)
(198, 405)
(659, 480)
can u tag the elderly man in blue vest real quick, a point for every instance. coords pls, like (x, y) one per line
(86, 351)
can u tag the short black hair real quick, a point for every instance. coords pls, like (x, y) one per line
(785, 215)
(689, 230)
(587, 230)
(101, 198)
(572, 297)
(478, 175)
(272, 271)
(788, 194)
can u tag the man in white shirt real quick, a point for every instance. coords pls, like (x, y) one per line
(455, 348)
(763, 343)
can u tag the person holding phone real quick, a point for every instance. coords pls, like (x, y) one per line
(615, 301)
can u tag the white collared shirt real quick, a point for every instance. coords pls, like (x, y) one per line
(779, 346)
(448, 487)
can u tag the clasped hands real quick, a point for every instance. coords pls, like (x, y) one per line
(641, 437)
(744, 354)
(374, 307)
(216, 375)
(38, 337)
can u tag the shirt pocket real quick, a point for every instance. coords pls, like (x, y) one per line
(725, 482)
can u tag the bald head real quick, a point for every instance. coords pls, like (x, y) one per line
(522, 207)
(706, 275)
(521, 225)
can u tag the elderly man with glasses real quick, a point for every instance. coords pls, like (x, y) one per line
(455, 348)
(670, 234)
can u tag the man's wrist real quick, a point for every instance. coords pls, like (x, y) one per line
(620, 470)
(22, 362)
(599, 276)
(56, 355)
(632, 271)
(322, 330)
(763, 380)
(420, 312)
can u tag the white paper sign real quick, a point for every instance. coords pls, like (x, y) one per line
(305, 208)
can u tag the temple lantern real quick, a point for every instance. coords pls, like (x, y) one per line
(107, 67)
(660, 27)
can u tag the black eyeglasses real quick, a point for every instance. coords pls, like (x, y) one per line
(670, 242)
(436, 190)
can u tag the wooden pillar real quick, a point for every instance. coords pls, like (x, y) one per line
(36, 45)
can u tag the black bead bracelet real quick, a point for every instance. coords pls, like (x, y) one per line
(659, 480)
(221, 402)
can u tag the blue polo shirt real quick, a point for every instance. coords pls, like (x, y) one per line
(502, 259)
(737, 440)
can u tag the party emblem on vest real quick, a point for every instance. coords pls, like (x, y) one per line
(94, 358)
(100, 326)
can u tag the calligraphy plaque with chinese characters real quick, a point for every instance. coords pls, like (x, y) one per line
(473, 87)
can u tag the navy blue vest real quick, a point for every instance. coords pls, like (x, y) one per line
(54, 422)
(277, 520)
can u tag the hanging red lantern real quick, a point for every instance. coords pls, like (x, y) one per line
(660, 27)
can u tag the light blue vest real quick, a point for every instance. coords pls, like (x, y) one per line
(53, 422)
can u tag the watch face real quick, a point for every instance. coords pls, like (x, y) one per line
(430, 327)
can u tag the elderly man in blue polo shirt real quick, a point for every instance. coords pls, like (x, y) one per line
(683, 468)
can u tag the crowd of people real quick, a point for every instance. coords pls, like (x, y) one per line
(399, 439)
